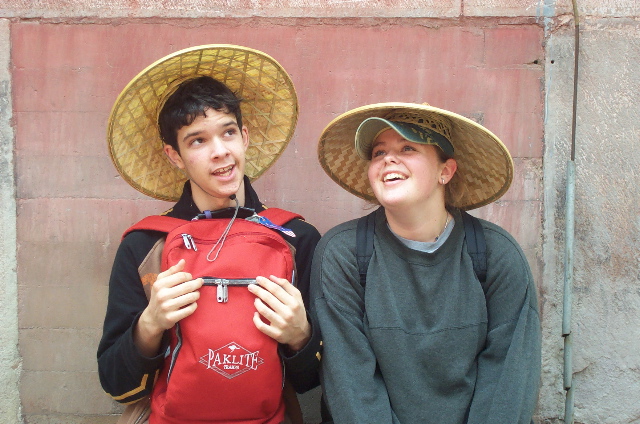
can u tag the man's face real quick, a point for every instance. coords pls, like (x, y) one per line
(212, 154)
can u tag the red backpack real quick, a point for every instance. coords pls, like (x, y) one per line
(219, 367)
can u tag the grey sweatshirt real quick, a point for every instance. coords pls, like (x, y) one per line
(425, 345)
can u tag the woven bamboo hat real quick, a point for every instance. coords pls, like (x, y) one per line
(269, 110)
(485, 167)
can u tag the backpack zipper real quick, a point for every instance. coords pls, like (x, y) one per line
(188, 241)
(222, 290)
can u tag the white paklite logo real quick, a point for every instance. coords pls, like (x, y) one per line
(231, 360)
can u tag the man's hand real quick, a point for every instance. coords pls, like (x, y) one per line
(173, 297)
(280, 303)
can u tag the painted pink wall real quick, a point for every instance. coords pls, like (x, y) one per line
(73, 206)
(66, 78)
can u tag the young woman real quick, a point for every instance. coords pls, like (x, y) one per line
(424, 341)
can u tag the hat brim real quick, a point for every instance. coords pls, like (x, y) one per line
(269, 111)
(369, 129)
(485, 166)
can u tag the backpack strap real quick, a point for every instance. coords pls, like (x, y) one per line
(364, 244)
(279, 216)
(160, 223)
(165, 224)
(476, 245)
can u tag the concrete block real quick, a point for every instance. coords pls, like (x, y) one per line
(80, 393)
(73, 177)
(534, 8)
(527, 181)
(522, 219)
(59, 220)
(522, 132)
(222, 8)
(10, 362)
(538, 9)
(45, 264)
(59, 46)
(59, 350)
(514, 46)
(516, 112)
(71, 419)
(54, 133)
(80, 220)
(61, 89)
(78, 308)
(365, 8)
(608, 8)
(67, 176)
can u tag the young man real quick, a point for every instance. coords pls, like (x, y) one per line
(201, 131)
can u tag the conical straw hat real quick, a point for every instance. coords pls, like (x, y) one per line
(269, 110)
(485, 167)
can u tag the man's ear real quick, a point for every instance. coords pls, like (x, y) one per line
(245, 137)
(173, 156)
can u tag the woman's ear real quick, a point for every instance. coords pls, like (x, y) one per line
(173, 156)
(448, 169)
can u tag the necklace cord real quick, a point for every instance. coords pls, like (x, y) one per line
(222, 238)
(443, 228)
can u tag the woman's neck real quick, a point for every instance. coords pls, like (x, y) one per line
(424, 225)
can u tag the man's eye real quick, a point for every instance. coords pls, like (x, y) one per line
(231, 131)
(197, 141)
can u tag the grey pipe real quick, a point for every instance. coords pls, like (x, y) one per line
(567, 299)
(569, 238)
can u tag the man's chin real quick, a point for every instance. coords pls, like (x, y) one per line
(218, 194)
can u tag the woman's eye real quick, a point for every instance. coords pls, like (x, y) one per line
(408, 148)
(377, 153)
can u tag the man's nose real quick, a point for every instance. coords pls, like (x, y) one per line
(218, 148)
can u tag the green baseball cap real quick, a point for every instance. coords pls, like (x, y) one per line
(371, 128)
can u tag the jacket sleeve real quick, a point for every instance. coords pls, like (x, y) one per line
(124, 373)
(302, 367)
(509, 365)
(352, 383)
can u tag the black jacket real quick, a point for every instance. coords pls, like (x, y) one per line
(124, 373)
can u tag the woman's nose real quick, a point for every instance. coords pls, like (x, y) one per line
(391, 157)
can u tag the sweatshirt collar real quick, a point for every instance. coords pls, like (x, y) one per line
(185, 208)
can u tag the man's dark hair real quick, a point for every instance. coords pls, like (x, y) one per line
(192, 99)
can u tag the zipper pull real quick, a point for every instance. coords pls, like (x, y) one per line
(222, 291)
(188, 242)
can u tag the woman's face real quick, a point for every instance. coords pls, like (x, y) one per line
(406, 174)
